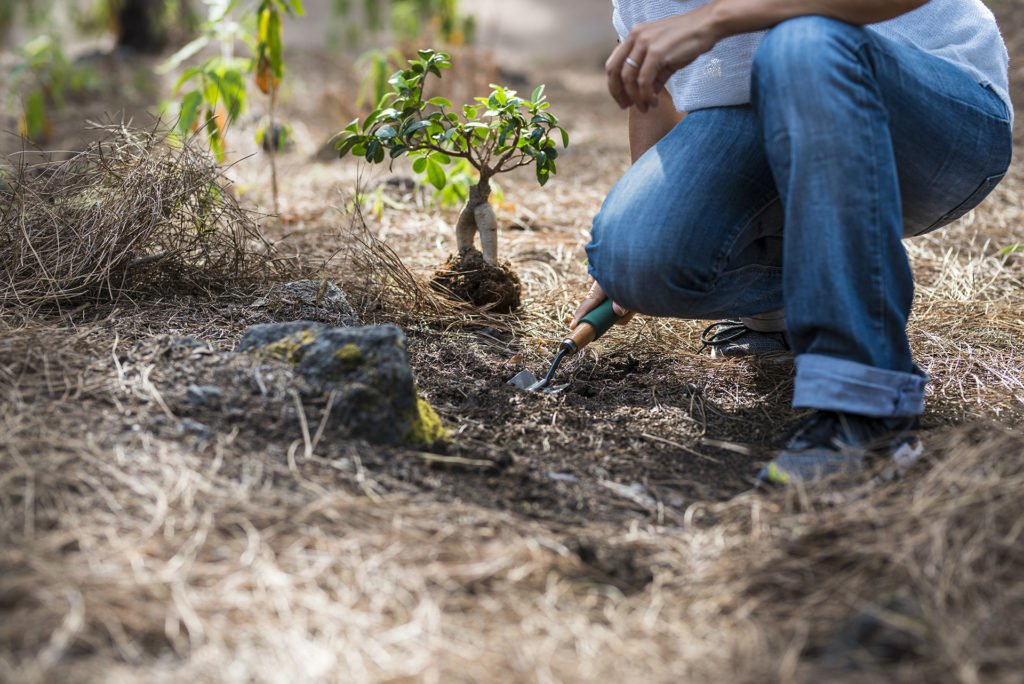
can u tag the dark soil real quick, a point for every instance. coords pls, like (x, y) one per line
(627, 440)
(469, 278)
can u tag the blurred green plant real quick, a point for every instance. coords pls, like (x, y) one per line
(32, 12)
(39, 82)
(496, 134)
(378, 65)
(214, 93)
(408, 21)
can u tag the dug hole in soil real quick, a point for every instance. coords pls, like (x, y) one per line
(467, 277)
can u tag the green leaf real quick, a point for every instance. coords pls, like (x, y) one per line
(186, 76)
(416, 126)
(441, 158)
(347, 145)
(537, 94)
(372, 118)
(436, 175)
(439, 102)
(1011, 249)
(35, 114)
(373, 147)
(189, 112)
(420, 165)
(565, 136)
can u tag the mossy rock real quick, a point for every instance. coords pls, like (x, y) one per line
(366, 368)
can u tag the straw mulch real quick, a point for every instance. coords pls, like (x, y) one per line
(137, 561)
(133, 211)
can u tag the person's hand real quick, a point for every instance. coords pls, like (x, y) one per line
(593, 299)
(651, 53)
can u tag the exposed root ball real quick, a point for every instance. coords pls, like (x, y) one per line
(469, 278)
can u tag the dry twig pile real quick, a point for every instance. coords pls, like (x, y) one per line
(128, 213)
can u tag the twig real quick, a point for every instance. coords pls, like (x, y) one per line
(662, 440)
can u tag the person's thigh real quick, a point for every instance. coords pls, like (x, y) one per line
(692, 229)
(951, 136)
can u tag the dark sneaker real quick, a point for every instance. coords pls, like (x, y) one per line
(733, 339)
(827, 444)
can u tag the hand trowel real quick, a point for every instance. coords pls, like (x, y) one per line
(596, 323)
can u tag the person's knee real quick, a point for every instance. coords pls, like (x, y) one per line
(645, 275)
(797, 53)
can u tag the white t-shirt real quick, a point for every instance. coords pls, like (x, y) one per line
(963, 32)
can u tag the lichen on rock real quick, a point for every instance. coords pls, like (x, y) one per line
(366, 369)
(427, 430)
(291, 348)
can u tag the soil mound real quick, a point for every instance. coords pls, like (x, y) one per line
(471, 279)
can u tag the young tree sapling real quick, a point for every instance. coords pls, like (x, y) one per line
(496, 134)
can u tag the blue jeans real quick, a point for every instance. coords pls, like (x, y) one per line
(801, 200)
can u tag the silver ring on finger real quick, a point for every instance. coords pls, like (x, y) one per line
(632, 62)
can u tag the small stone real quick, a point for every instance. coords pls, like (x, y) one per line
(310, 299)
(195, 427)
(204, 395)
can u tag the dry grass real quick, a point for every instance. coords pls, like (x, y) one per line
(144, 561)
(130, 212)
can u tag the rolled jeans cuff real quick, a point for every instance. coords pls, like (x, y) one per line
(831, 384)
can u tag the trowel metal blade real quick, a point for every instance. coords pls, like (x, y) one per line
(525, 380)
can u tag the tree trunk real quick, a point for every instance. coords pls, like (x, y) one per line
(141, 26)
(478, 217)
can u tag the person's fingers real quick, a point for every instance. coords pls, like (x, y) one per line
(613, 69)
(625, 315)
(630, 71)
(647, 76)
(594, 297)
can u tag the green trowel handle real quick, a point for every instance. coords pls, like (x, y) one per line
(598, 322)
(601, 318)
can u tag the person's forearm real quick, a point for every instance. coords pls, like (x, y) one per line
(647, 128)
(732, 17)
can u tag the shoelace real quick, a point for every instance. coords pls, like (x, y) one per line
(720, 333)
